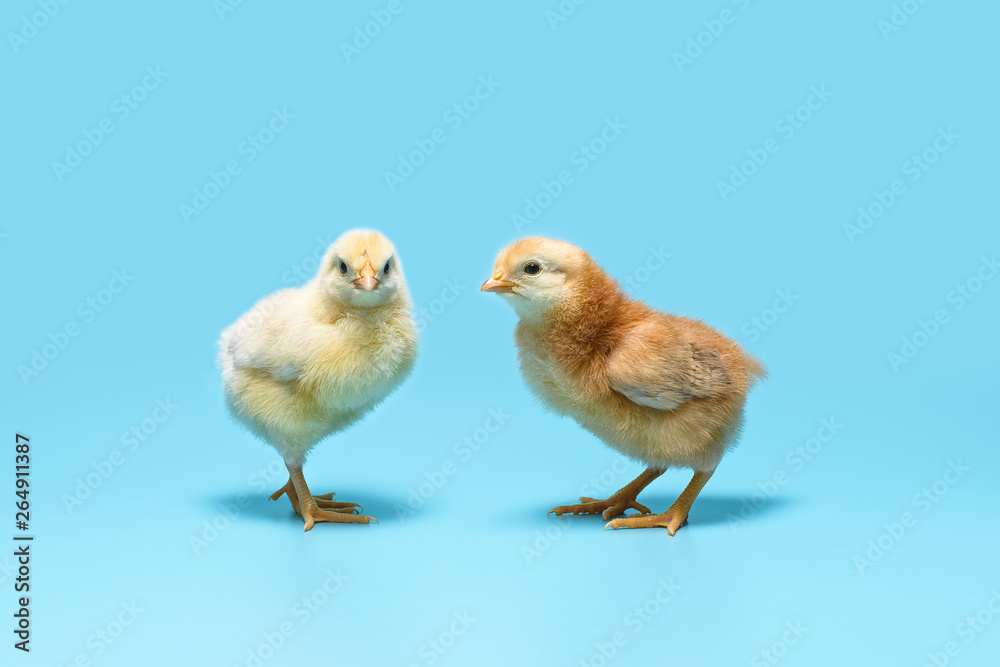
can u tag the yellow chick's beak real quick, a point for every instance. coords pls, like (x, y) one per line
(496, 284)
(367, 281)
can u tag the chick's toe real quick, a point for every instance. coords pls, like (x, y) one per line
(323, 501)
(606, 508)
(672, 520)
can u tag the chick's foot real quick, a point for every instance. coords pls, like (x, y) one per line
(312, 514)
(622, 500)
(613, 506)
(322, 502)
(672, 519)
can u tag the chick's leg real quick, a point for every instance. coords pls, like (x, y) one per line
(317, 508)
(622, 500)
(673, 518)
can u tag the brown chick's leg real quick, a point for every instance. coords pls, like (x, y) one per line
(622, 500)
(316, 509)
(673, 518)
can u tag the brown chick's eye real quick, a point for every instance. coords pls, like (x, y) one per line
(343, 268)
(532, 268)
(386, 269)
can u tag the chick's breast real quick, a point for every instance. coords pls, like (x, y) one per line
(357, 362)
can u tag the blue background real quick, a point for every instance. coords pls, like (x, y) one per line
(540, 590)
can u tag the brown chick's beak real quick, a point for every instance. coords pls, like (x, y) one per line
(367, 281)
(495, 284)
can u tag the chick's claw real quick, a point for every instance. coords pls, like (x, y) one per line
(606, 508)
(350, 508)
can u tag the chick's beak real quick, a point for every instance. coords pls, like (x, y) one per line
(367, 281)
(497, 284)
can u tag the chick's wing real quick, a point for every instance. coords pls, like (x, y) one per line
(658, 366)
(264, 338)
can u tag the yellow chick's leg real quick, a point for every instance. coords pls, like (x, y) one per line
(673, 518)
(317, 508)
(622, 500)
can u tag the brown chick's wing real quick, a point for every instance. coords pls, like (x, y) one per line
(653, 368)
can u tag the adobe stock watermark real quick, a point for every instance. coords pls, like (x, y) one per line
(121, 107)
(772, 655)
(224, 7)
(703, 39)
(434, 649)
(923, 501)
(607, 481)
(86, 311)
(264, 479)
(8, 568)
(913, 169)
(563, 11)
(212, 529)
(365, 33)
(786, 127)
(642, 274)
(131, 439)
(435, 308)
(757, 325)
(581, 159)
(261, 479)
(601, 485)
(102, 639)
(967, 630)
(544, 539)
(635, 621)
(464, 450)
(454, 117)
(303, 270)
(796, 459)
(958, 298)
(248, 149)
(301, 612)
(899, 17)
(32, 23)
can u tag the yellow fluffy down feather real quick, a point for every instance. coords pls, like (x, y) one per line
(307, 362)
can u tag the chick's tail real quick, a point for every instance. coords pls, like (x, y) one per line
(756, 371)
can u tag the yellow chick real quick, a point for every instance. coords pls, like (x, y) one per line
(661, 389)
(307, 362)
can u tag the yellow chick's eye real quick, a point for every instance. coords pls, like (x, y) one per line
(532, 268)
(385, 270)
(343, 268)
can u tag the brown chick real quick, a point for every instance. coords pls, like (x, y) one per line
(662, 389)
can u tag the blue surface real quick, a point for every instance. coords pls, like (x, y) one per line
(778, 556)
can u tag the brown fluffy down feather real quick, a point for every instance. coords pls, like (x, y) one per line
(663, 389)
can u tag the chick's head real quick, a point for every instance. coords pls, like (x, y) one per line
(361, 269)
(537, 274)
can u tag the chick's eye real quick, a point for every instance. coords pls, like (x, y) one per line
(343, 268)
(385, 270)
(532, 268)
